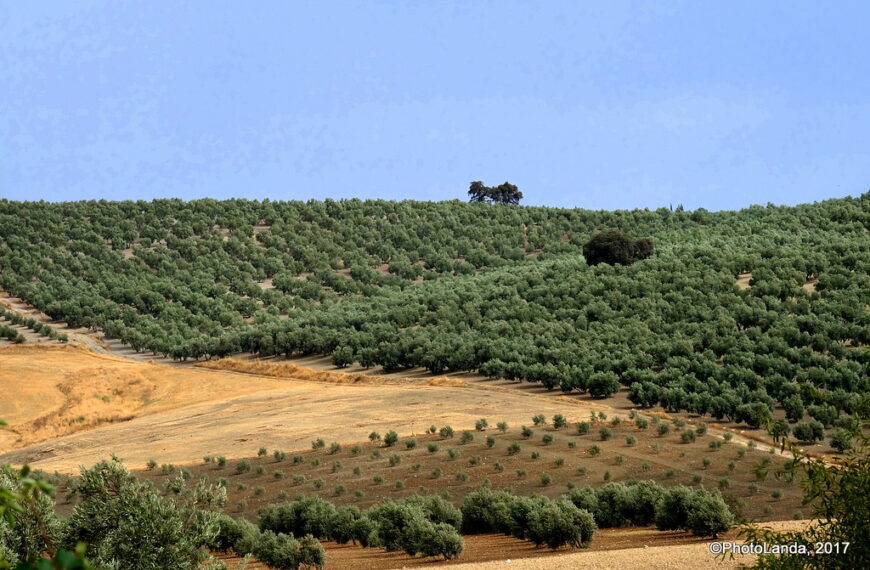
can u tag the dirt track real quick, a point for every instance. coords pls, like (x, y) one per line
(660, 557)
(93, 341)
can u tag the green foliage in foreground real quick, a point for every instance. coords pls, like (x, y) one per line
(417, 525)
(838, 492)
(126, 524)
(29, 529)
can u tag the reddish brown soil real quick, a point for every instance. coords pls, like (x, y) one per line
(268, 480)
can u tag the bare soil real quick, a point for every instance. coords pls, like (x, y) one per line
(52, 393)
(364, 473)
(191, 412)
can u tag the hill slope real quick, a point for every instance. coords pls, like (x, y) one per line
(452, 286)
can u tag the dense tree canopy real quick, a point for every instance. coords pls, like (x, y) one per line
(465, 286)
(616, 248)
(506, 193)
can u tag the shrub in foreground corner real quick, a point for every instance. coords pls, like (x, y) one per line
(127, 525)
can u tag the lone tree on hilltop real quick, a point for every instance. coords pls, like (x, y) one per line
(616, 248)
(506, 193)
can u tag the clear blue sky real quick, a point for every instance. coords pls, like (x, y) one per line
(597, 105)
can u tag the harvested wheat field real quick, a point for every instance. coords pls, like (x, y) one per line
(91, 405)
(57, 391)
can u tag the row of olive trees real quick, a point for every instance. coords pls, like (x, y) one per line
(430, 525)
(32, 324)
(538, 519)
(425, 524)
(703, 512)
(700, 511)
(417, 525)
(11, 334)
(275, 549)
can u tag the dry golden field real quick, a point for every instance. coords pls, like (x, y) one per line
(69, 406)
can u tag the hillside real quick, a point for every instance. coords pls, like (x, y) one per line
(736, 314)
(69, 407)
(374, 354)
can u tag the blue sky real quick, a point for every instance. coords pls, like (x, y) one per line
(595, 105)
